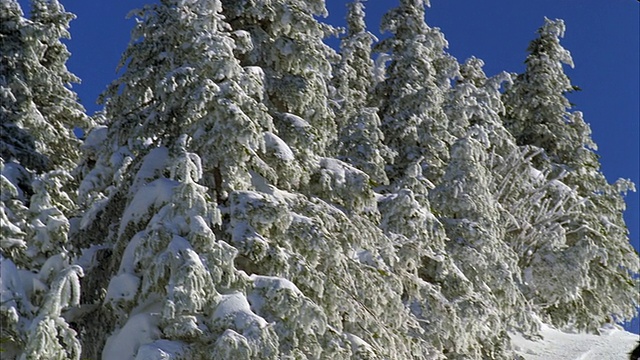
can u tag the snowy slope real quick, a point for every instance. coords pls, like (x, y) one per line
(613, 344)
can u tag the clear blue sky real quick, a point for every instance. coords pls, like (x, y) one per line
(602, 35)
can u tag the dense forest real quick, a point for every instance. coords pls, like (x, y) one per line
(249, 192)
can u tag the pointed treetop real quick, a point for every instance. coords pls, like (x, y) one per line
(547, 45)
(356, 17)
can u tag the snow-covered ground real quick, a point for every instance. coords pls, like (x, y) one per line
(613, 343)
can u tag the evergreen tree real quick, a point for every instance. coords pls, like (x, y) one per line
(182, 91)
(577, 207)
(287, 45)
(222, 214)
(19, 113)
(410, 98)
(51, 90)
(38, 149)
(537, 108)
(360, 141)
(41, 110)
(471, 218)
(165, 228)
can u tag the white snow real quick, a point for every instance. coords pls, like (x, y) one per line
(278, 147)
(127, 264)
(86, 260)
(269, 284)
(296, 121)
(154, 194)
(12, 285)
(273, 282)
(359, 346)
(95, 138)
(161, 350)
(613, 343)
(14, 173)
(152, 165)
(235, 306)
(561, 187)
(123, 344)
(122, 287)
(536, 174)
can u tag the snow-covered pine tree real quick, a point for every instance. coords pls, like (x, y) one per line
(38, 148)
(317, 284)
(18, 110)
(537, 106)
(466, 203)
(431, 282)
(182, 91)
(471, 218)
(360, 140)
(288, 46)
(590, 257)
(296, 243)
(39, 101)
(51, 90)
(410, 98)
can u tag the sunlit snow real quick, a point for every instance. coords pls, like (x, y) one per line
(613, 343)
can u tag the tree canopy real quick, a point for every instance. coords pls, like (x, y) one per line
(248, 192)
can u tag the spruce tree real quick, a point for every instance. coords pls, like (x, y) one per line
(18, 111)
(287, 45)
(360, 140)
(579, 209)
(411, 96)
(222, 214)
(38, 148)
(182, 91)
(471, 218)
(270, 273)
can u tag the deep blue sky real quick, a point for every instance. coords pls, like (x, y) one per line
(602, 35)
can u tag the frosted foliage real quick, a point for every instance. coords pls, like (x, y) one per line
(471, 218)
(35, 243)
(95, 177)
(363, 147)
(551, 228)
(192, 89)
(298, 321)
(135, 338)
(538, 110)
(287, 45)
(13, 212)
(49, 225)
(342, 184)
(161, 350)
(49, 336)
(170, 256)
(162, 263)
(284, 235)
(474, 107)
(404, 214)
(250, 194)
(37, 149)
(15, 302)
(353, 76)
(578, 216)
(420, 239)
(410, 98)
(40, 110)
(360, 140)
(247, 335)
(466, 194)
